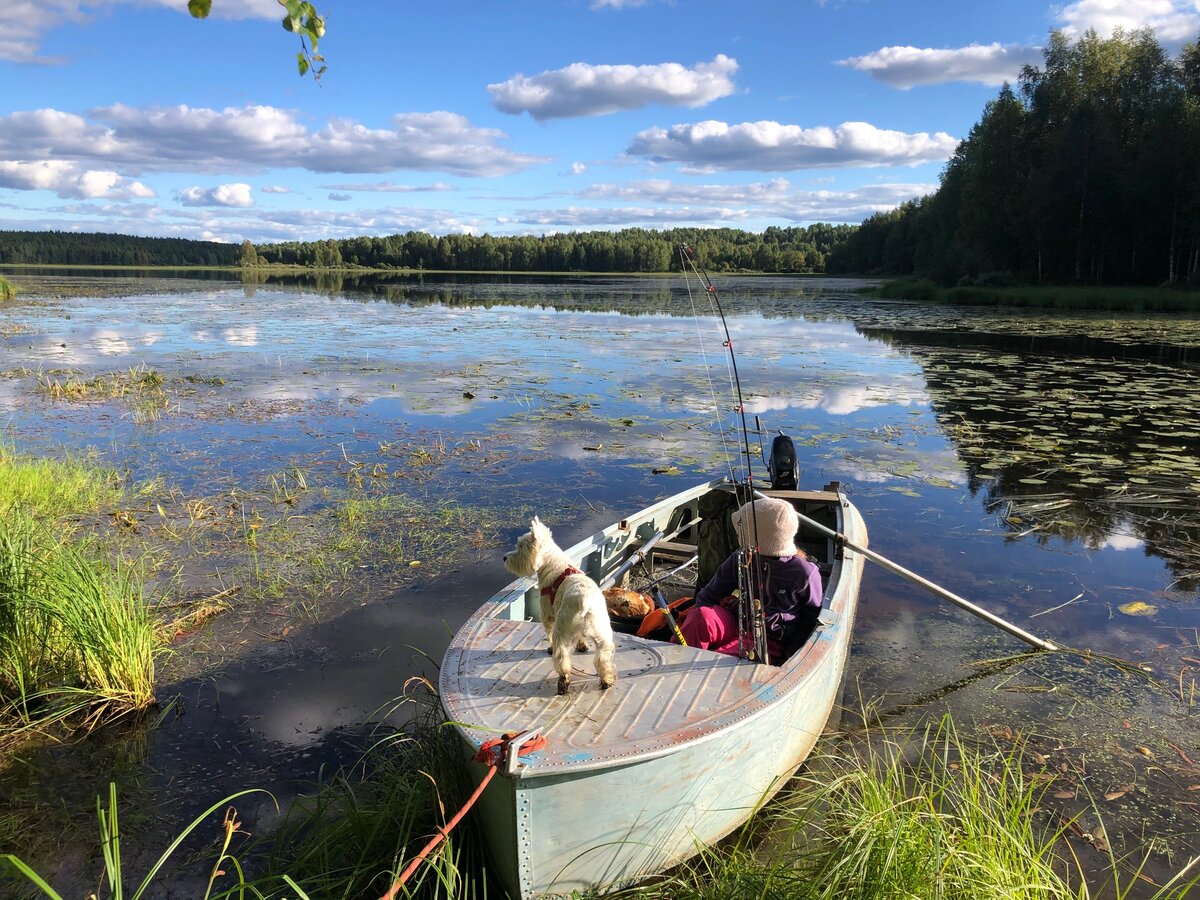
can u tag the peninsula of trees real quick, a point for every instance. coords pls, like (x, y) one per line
(628, 250)
(1088, 173)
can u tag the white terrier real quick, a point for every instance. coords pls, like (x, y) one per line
(572, 605)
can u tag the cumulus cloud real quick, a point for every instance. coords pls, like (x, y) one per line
(235, 195)
(67, 179)
(772, 147)
(586, 90)
(275, 189)
(339, 197)
(907, 67)
(1173, 21)
(182, 138)
(578, 168)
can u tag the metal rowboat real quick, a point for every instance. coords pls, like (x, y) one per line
(679, 753)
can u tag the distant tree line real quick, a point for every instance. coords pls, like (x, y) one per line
(74, 248)
(628, 250)
(1088, 173)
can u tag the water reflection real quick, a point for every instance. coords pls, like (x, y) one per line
(1081, 446)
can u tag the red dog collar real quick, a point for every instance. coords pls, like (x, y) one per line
(552, 591)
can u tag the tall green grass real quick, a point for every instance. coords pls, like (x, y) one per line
(8, 290)
(907, 814)
(53, 488)
(77, 640)
(903, 814)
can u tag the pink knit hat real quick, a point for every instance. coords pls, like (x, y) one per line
(775, 522)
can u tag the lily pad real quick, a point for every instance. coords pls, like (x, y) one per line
(1138, 608)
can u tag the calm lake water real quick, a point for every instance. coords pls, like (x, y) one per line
(351, 455)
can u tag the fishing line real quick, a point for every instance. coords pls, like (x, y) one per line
(749, 606)
(712, 389)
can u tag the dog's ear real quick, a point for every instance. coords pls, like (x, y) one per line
(539, 531)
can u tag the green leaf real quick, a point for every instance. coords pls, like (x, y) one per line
(291, 23)
(199, 9)
(302, 64)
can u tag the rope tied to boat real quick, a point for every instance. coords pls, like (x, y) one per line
(491, 753)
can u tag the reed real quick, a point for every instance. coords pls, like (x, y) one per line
(53, 488)
(8, 290)
(77, 640)
(1060, 297)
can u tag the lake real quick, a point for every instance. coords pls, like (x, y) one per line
(344, 459)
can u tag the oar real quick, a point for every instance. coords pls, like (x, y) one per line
(661, 602)
(937, 589)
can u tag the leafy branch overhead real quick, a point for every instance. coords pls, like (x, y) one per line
(300, 18)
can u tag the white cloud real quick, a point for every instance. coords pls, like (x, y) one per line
(617, 4)
(906, 67)
(275, 189)
(578, 168)
(775, 199)
(187, 139)
(1174, 21)
(587, 217)
(236, 195)
(23, 23)
(772, 147)
(586, 90)
(333, 195)
(69, 180)
(390, 187)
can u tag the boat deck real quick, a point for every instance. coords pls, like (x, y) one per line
(498, 677)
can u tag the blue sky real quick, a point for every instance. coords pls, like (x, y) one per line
(503, 117)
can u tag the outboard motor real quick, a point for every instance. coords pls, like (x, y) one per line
(782, 466)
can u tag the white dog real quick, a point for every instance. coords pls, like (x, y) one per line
(572, 605)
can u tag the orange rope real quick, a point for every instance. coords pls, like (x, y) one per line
(491, 753)
(439, 837)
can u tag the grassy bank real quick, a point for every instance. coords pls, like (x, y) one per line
(1100, 299)
(8, 290)
(897, 813)
(77, 641)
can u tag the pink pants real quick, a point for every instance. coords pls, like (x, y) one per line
(716, 628)
(711, 628)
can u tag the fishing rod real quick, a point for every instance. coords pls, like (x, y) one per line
(750, 608)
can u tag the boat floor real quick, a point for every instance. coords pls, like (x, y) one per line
(498, 677)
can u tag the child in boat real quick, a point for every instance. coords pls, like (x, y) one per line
(792, 589)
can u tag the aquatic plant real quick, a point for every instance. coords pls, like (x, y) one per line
(77, 641)
(905, 813)
(54, 488)
(8, 290)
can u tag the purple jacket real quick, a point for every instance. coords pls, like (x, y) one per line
(791, 599)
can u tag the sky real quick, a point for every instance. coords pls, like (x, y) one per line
(504, 116)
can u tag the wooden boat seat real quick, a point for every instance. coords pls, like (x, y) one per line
(497, 677)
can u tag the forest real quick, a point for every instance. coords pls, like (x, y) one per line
(88, 249)
(1085, 174)
(629, 250)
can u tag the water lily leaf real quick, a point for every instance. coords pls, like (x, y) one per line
(1138, 608)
